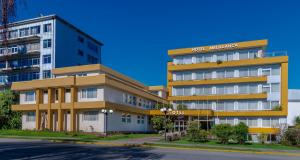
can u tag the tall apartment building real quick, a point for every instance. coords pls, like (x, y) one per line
(230, 83)
(74, 101)
(35, 46)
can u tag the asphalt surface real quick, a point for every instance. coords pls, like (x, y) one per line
(38, 149)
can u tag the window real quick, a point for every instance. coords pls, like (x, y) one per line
(47, 43)
(266, 122)
(128, 118)
(29, 96)
(229, 105)
(275, 87)
(253, 105)
(89, 93)
(92, 47)
(187, 76)
(199, 75)
(30, 117)
(275, 71)
(80, 39)
(242, 105)
(35, 30)
(243, 72)
(90, 116)
(199, 58)
(253, 72)
(92, 59)
(35, 75)
(243, 89)
(252, 122)
(80, 52)
(221, 74)
(230, 73)
(243, 55)
(47, 27)
(229, 89)
(46, 59)
(46, 74)
(123, 118)
(266, 72)
(13, 34)
(24, 32)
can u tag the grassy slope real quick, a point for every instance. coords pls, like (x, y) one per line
(84, 136)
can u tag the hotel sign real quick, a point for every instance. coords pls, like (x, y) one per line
(215, 47)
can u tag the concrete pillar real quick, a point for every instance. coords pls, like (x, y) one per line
(61, 99)
(72, 111)
(51, 93)
(39, 100)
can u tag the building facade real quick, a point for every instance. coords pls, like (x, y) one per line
(34, 47)
(294, 106)
(231, 83)
(74, 101)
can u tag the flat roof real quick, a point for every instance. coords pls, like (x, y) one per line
(219, 47)
(49, 17)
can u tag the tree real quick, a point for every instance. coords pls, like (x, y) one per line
(240, 133)
(9, 118)
(297, 121)
(291, 137)
(195, 134)
(157, 123)
(223, 132)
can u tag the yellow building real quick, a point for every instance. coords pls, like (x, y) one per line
(230, 83)
(81, 98)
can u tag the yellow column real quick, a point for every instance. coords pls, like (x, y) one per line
(61, 99)
(73, 112)
(39, 100)
(284, 87)
(51, 93)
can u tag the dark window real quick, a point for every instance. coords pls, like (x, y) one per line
(47, 43)
(47, 27)
(80, 52)
(80, 39)
(46, 59)
(92, 47)
(92, 59)
(35, 30)
(46, 74)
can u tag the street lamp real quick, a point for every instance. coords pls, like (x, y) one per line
(165, 110)
(106, 112)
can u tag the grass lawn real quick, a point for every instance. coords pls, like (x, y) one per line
(214, 144)
(68, 135)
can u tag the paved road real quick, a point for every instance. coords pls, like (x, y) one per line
(37, 149)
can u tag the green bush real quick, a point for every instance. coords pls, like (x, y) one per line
(9, 119)
(196, 134)
(291, 137)
(157, 123)
(223, 132)
(240, 133)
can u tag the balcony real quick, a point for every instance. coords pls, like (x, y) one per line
(28, 38)
(19, 51)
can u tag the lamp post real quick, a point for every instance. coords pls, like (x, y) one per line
(106, 112)
(165, 110)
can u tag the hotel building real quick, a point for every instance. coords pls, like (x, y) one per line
(230, 83)
(34, 47)
(75, 98)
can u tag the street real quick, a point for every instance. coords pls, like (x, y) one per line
(38, 149)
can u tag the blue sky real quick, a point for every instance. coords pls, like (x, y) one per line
(137, 34)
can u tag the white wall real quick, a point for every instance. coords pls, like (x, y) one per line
(25, 124)
(91, 126)
(115, 123)
(293, 111)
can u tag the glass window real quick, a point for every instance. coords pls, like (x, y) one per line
(92, 59)
(253, 105)
(207, 90)
(187, 91)
(252, 122)
(266, 88)
(266, 105)
(229, 73)
(24, 32)
(178, 91)
(266, 72)
(123, 118)
(199, 58)
(220, 106)
(207, 75)
(275, 87)
(275, 71)
(30, 117)
(46, 59)
(242, 105)
(243, 89)
(29, 96)
(207, 58)
(221, 57)
(221, 74)
(244, 72)
(253, 72)
(242, 120)
(230, 121)
(47, 43)
(229, 105)
(229, 89)
(46, 74)
(80, 52)
(80, 39)
(48, 27)
(128, 118)
(199, 75)
(90, 116)
(274, 122)
(266, 122)
(13, 34)
(243, 55)
(220, 90)
(198, 90)
(230, 56)
(187, 76)
(89, 93)
(35, 30)
(253, 88)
